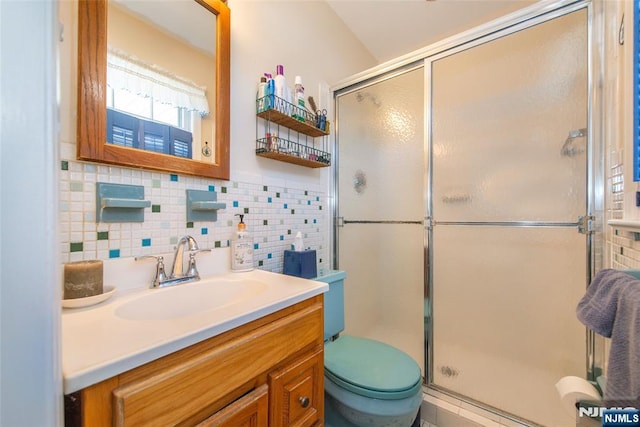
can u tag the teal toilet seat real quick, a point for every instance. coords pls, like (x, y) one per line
(371, 368)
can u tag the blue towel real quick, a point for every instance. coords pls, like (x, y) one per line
(611, 307)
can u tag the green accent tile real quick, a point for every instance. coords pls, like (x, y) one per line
(306, 193)
(256, 199)
(103, 235)
(306, 221)
(229, 223)
(246, 210)
(288, 231)
(293, 211)
(217, 244)
(76, 186)
(260, 263)
(320, 207)
(235, 184)
(265, 222)
(265, 240)
(190, 224)
(223, 189)
(277, 195)
(76, 247)
(265, 188)
(64, 165)
(156, 183)
(155, 208)
(173, 240)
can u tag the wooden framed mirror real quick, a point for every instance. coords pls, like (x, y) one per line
(92, 99)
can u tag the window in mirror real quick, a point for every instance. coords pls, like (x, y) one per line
(162, 110)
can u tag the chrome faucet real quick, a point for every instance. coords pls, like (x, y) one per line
(177, 270)
(178, 275)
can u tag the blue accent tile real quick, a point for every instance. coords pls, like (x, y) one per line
(315, 221)
(308, 202)
(146, 242)
(114, 253)
(204, 231)
(281, 238)
(174, 177)
(235, 204)
(256, 246)
(285, 206)
(212, 188)
(269, 256)
(269, 199)
(317, 198)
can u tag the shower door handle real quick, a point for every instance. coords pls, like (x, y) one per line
(585, 224)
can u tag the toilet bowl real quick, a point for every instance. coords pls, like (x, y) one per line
(367, 382)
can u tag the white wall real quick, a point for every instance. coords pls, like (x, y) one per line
(309, 40)
(30, 389)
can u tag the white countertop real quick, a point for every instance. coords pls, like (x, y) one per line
(99, 342)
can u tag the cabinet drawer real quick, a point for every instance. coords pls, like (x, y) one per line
(251, 410)
(296, 393)
(191, 386)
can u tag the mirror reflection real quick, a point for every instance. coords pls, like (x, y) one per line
(161, 77)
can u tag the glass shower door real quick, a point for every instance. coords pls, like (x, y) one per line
(509, 185)
(380, 234)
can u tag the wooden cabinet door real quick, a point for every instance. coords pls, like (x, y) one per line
(251, 410)
(297, 393)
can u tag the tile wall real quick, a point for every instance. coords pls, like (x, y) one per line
(273, 214)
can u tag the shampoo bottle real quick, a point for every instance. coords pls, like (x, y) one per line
(280, 83)
(241, 248)
(298, 100)
(262, 95)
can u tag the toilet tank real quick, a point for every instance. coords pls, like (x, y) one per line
(333, 302)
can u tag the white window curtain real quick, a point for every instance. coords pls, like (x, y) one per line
(128, 73)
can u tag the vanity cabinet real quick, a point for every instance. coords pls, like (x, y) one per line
(268, 372)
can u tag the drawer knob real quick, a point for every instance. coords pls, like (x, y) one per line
(304, 401)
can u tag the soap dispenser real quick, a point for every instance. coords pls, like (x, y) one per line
(241, 248)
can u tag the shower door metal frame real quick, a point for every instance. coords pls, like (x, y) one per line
(525, 18)
(591, 224)
(339, 221)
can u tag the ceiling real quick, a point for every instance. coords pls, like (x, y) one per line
(392, 28)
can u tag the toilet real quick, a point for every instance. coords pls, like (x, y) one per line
(366, 382)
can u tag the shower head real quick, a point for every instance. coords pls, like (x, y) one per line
(568, 148)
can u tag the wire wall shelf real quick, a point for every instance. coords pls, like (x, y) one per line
(297, 143)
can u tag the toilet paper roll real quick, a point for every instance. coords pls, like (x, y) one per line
(573, 389)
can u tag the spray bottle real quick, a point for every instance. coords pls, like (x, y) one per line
(241, 248)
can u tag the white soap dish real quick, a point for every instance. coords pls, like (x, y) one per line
(87, 301)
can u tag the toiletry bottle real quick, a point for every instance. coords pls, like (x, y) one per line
(298, 244)
(261, 96)
(280, 83)
(241, 248)
(298, 100)
(271, 91)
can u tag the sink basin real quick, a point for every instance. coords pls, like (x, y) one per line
(190, 299)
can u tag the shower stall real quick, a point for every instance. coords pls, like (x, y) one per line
(466, 212)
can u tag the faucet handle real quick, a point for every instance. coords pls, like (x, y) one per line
(192, 271)
(161, 275)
